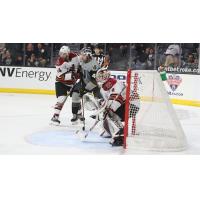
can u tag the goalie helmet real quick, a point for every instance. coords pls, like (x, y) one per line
(102, 76)
(64, 50)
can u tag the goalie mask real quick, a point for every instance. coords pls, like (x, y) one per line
(102, 76)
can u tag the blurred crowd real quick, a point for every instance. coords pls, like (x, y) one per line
(143, 56)
(37, 55)
(11, 54)
(186, 55)
(122, 55)
(30, 55)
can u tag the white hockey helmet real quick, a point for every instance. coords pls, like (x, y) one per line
(102, 76)
(64, 50)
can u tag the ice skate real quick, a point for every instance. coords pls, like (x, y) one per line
(55, 121)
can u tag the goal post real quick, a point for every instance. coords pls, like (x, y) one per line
(128, 86)
(150, 119)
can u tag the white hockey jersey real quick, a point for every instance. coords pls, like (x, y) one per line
(66, 70)
(114, 92)
(88, 71)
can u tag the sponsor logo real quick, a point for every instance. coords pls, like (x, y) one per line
(175, 93)
(122, 78)
(119, 77)
(174, 81)
(18, 72)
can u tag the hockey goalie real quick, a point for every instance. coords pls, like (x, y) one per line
(114, 94)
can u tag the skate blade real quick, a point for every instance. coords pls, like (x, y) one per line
(54, 124)
(78, 122)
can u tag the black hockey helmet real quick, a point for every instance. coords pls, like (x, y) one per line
(86, 51)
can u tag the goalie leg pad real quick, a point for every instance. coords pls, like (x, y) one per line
(110, 126)
(118, 140)
(115, 129)
(90, 103)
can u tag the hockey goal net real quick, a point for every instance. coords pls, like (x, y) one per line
(150, 120)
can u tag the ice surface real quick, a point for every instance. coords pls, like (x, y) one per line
(25, 129)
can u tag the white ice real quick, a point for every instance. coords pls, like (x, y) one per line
(25, 129)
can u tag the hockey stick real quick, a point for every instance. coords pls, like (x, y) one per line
(82, 102)
(78, 132)
(83, 113)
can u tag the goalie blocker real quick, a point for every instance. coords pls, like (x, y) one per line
(114, 94)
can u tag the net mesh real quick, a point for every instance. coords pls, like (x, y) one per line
(152, 121)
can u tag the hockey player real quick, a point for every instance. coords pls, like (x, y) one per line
(100, 57)
(87, 83)
(114, 93)
(66, 66)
